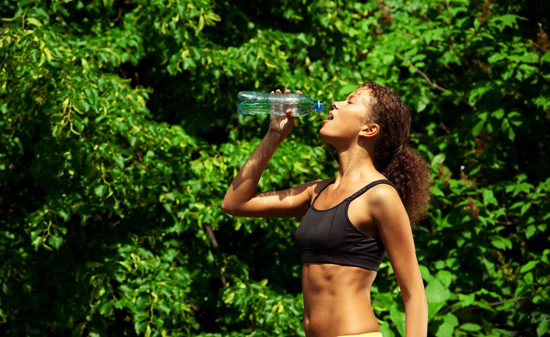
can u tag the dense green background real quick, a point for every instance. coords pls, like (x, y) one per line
(119, 137)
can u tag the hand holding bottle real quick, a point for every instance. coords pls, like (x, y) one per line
(282, 124)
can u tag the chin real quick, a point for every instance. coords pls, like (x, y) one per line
(324, 135)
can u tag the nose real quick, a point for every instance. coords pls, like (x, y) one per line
(334, 105)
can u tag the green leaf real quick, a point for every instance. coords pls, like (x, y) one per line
(525, 208)
(346, 90)
(506, 20)
(34, 21)
(531, 230)
(530, 57)
(446, 329)
(498, 114)
(489, 197)
(445, 277)
(78, 125)
(126, 265)
(476, 130)
(470, 327)
(501, 243)
(495, 58)
(425, 272)
(398, 318)
(119, 160)
(530, 265)
(141, 326)
(55, 241)
(466, 300)
(437, 292)
(438, 159)
(543, 328)
(100, 190)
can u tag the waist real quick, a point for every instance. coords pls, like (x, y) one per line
(368, 334)
(326, 315)
(331, 280)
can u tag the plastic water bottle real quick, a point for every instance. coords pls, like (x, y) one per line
(263, 103)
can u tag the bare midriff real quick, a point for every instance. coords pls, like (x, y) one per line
(337, 300)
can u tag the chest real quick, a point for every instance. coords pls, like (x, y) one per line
(357, 212)
(330, 230)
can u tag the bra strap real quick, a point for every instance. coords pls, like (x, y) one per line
(368, 187)
(318, 194)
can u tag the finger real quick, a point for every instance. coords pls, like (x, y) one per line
(277, 103)
(287, 91)
(298, 92)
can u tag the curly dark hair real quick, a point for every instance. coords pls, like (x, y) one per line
(393, 157)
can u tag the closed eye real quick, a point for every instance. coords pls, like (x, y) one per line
(349, 102)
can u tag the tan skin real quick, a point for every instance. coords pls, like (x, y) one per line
(337, 298)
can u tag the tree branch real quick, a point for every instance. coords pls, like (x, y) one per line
(435, 86)
(215, 247)
(492, 304)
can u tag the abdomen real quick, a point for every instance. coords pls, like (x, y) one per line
(337, 300)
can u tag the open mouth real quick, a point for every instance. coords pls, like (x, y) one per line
(330, 116)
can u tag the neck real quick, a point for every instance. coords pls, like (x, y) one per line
(355, 165)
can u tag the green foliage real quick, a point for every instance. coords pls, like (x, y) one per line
(119, 138)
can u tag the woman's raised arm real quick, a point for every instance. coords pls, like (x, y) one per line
(241, 198)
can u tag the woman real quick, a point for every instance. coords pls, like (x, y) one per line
(380, 192)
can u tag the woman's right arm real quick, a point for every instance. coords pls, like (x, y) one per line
(241, 198)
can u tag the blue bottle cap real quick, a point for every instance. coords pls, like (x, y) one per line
(318, 106)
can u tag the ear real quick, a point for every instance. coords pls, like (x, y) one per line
(369, 130)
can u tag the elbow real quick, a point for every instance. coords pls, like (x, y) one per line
(417, 299)
(233, 206)
(414, 293)
(227, 208)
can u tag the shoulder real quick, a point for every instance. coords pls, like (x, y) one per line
(383, 194)
(384, 201)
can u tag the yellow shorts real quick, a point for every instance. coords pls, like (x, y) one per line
(368, 334)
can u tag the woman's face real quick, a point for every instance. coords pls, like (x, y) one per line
(347, 118)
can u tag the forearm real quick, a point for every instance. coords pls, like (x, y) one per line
(416, 311)
(244, 186)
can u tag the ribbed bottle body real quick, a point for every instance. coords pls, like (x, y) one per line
(263, 103)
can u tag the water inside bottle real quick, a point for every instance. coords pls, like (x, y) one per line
(252, 103)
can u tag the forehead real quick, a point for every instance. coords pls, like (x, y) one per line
(362, 95)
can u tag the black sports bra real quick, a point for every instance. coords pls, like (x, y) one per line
(328, 236)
